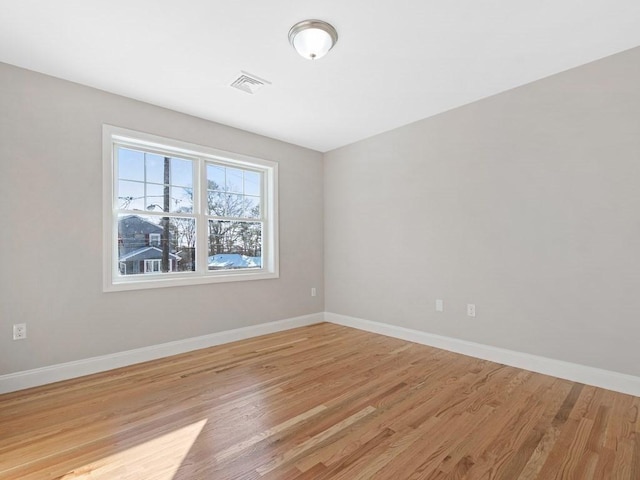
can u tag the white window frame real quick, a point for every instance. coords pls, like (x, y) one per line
(156, 242)
(112, 281)
(153, 262)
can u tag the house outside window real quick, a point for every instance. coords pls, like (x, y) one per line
(185, 213)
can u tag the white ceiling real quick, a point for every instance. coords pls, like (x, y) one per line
(395, 61)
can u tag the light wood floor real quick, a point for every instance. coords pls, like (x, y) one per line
(321, 402)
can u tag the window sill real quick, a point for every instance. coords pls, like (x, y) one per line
(142, 283)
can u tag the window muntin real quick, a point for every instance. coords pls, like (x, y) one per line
(151, 182)
(185, 213)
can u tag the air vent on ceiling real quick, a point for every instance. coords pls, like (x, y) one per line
(249, 83)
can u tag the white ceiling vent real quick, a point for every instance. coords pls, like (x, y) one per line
(249, 83)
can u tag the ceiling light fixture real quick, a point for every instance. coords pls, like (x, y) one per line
(313, 38)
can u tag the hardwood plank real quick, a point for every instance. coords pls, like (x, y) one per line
(323, 402)
(235, 449)
(321, 437)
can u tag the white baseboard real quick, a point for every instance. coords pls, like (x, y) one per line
(64, 371)
(597, 377)
(616, 381)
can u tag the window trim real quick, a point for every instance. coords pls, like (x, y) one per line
(111, 136)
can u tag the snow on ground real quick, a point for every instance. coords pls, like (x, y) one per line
(234, 260)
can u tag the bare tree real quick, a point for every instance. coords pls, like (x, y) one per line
(232, 236)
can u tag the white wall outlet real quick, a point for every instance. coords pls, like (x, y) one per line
(439, 305)
(471, 309)
(313, 292)
(20, 331)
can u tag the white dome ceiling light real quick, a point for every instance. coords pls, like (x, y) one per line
(313, 38)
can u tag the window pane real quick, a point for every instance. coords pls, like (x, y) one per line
(130, 164)
(235, 245)
(155, 168)
(225, 204)
(139, 253)
(155, 198)
(181, 200)
(234, 180)
(215, 177)
(234, 205)
(251, 207)
(182, 172)
(252, 183)
(130, 195)
(213, 204)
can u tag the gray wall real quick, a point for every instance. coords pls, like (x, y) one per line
(526, 204)
(51, 248)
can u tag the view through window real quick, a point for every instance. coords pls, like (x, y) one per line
(189, 213)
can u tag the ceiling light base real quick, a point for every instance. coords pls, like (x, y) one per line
(312, 39)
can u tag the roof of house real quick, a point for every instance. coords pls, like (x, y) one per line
(132, 224)
(146, 253)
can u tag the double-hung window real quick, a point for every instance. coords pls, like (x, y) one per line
(177, 213)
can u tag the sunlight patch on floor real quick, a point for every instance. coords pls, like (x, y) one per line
(157, 459)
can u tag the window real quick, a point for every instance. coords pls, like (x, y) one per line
(152, 266)
(154, 239)
(180, 214)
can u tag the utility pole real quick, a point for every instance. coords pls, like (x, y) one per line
(166, 244)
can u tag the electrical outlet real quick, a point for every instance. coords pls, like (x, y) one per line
(471, 309)
(20, 331)
(439, 305)
(313, 292)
